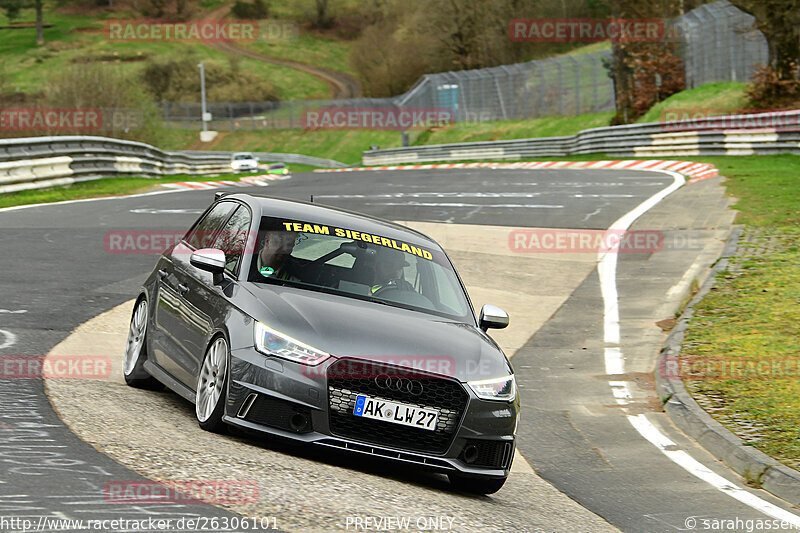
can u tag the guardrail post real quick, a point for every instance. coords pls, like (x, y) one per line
(577, 85)
(542, 83)
(560, 88)
(594, 82)
(166, 113)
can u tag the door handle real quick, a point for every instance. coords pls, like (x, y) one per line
(163, 273)
(183, 288)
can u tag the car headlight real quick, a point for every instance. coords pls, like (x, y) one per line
(271, 342)
(504, 388)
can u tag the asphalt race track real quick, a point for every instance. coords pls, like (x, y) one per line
(57, 273)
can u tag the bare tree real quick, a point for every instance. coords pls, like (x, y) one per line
(779, 20)
(322, 13)
(39, 24)
(632, 63)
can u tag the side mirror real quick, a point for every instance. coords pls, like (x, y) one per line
(209, 259)
(492, 317)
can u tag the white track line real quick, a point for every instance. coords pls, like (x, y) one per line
(10, 339)
(615, 364)
(82, 200)
(168, 188)
(459, 204)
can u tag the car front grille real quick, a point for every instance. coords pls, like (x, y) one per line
(346, 382)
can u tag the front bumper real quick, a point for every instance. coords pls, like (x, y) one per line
(294, 401)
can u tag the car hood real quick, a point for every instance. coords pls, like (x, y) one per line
(348, 327)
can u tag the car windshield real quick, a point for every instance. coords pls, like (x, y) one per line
(361, 265)
(242, 157)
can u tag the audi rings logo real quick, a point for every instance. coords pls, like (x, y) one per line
(397, 384)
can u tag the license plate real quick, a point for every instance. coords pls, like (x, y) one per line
(397, 413)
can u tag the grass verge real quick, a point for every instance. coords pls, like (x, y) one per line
(109, 187)
(743, 344)
(709, 99)
(344, 146)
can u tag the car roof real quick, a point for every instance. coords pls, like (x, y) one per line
(315, 213)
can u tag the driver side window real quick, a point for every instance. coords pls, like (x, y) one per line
(233, 239)
(204, 233)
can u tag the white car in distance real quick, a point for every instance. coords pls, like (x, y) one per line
(244, 162)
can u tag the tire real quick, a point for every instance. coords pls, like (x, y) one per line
(476, 485)
(136, 350)
(210, 393)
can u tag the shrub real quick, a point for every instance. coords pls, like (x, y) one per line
(12, 9)
(635, 68)
(128, 111)
(769, 91)
(179, 80)
(255, 11)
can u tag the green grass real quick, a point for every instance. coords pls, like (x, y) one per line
(753, 313)
(347, 146)
(23, 62)
(515, 129)
(594, 47)
(344, 146)
(307, 48)
(110, 187)
(711, 99)
(767, 189)
(753, 316)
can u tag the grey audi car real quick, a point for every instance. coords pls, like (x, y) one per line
(328, 327)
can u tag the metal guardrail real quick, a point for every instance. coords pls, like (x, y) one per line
(697, 137)
(37, 162)
(298, 159)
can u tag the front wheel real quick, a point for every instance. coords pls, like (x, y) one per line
(136, 350)
(210, 393)
(476, 485)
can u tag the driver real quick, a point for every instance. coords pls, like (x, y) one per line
(389, 272)
(275, 260)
